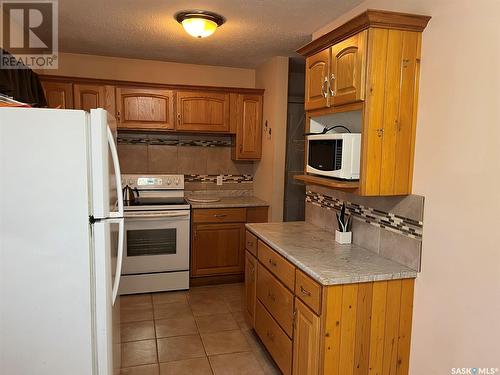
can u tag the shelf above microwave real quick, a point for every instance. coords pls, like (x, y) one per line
(328, 182)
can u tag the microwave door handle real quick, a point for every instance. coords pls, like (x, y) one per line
(118, 176)
(119, 257)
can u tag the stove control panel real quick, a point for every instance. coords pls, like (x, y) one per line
(151, 182)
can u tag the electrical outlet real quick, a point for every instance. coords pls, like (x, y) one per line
(219, 180)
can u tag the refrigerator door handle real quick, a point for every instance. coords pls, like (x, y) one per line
(119, 257)
(118, 176)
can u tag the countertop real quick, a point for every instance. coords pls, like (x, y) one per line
(314, 251)
(231, 201)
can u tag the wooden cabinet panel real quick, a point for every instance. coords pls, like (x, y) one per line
(217, 249)
(306, 341)
(317, 69)
(88, 96)
(276, 298)
(251, 243)
(347, 73)
(58, 94)
(219, 215)
(250, 286)
(275, 340)
(308, 291)
(202, 111)
(145, 108)
(257, 214)
(390, 112)
(278, 265)
(248, 145)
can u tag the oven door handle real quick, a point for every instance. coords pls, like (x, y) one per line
(156, 216)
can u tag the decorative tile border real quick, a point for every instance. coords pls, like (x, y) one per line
(386, 220)
(173, 142)
(212, 179)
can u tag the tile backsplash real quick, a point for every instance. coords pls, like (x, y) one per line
(200, 158)
(390, 226)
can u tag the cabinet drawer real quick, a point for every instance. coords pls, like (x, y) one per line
(276, 298)
(251, 243)
(219, 215)
(278, 265)
(308, 291)
(275, 340)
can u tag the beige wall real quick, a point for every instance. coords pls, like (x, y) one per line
(270, 170)
(91, 66)
(457, 169)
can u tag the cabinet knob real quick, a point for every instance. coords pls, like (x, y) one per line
(272, 262)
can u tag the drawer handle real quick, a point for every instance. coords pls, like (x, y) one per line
(271, 296)
(304, 291)
(249, 243)
(272, 262)
(220, 216)
(270, 335)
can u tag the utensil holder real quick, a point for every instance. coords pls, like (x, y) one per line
(343, 237)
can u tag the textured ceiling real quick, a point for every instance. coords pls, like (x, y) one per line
(255, 30)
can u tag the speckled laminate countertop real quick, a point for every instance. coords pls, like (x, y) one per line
(228, 202)
(314, 251)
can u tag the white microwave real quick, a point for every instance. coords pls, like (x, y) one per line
(334, 155)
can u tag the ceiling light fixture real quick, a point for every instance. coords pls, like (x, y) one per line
(199, 23)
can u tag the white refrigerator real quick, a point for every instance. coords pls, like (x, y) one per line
(61, 242)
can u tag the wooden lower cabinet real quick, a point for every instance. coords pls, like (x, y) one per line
(218, 241)
(274, 338)
(217, 249)
(306, 340)
(347, 329)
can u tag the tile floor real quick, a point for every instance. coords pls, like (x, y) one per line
(197, 332)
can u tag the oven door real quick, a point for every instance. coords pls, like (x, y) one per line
(156, 242)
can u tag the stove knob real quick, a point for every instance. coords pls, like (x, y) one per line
(169, 181)
(177, 180)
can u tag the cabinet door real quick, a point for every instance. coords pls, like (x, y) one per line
(145, 108)
(305, 341)
(88, 97)
(58, 94)
(317, 68)
(347, 76)
(217, 249)
(249, 128)
(250, 286)
(202, 111)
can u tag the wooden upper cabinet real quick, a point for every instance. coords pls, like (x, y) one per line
(88, 96)
(203, 111)
(374, 68)
(317, 69)
(347, 70)
(248, 145)
(145, 108)
(58, 94)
